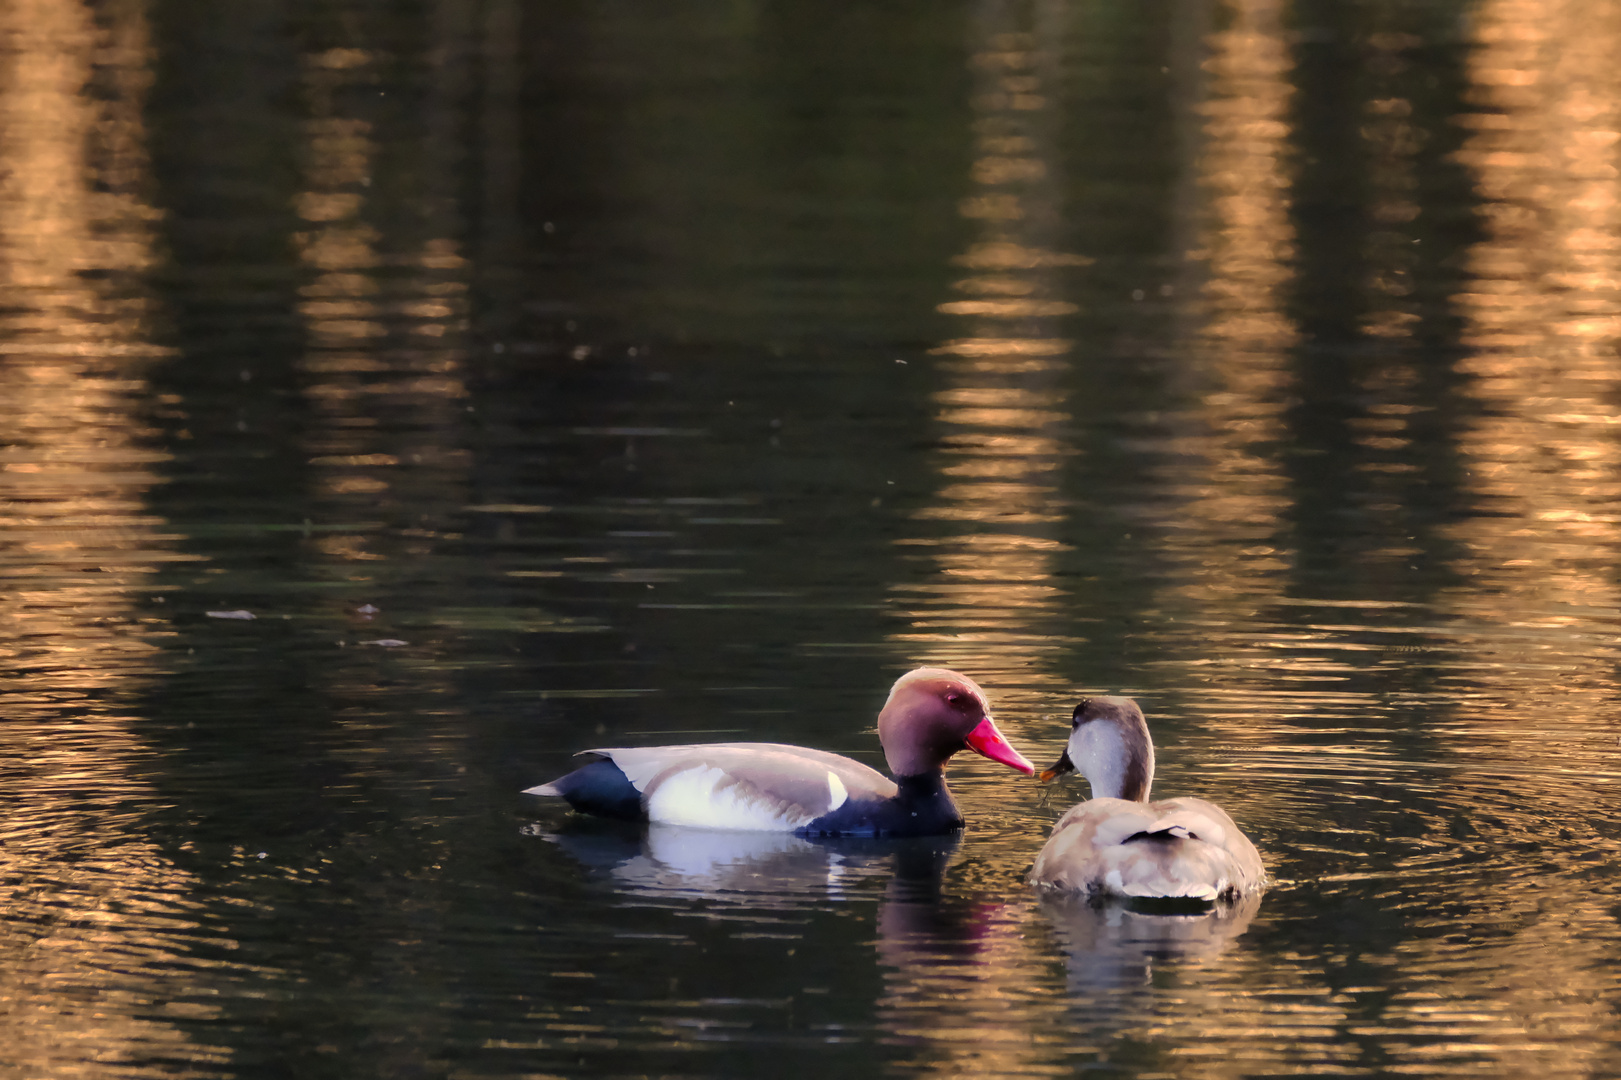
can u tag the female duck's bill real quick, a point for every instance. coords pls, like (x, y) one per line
(1120, 843)
(931, 714)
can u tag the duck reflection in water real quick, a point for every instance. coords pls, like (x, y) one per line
(919, 924)
(1112, 947)
(919, 921)
(758, 868)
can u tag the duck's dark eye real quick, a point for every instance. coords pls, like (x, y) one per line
(1080, 712)
(957, 699)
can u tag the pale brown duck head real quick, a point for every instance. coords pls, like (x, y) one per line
(934, 712)
(1109, 744)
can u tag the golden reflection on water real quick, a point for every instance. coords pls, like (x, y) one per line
(1223, 544)
(91, 904)
(386, 320)
(385, 312)
(988, 601)
(1246, 239)
(1541, 460)
(987, 593)
(1229, 487)
(1541, 313)
(1541, 457)
(1498, 956)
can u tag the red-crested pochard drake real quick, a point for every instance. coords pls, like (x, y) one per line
(1120, 843)
(931, 714)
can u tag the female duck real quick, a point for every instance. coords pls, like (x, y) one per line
(931, 714)
(1120, 843)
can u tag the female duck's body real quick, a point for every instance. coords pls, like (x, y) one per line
(1119, 843)
(930, 715)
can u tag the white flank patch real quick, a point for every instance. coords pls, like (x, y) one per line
(695, 797)
(837, 796)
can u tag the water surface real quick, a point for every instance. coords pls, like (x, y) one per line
(549, 377)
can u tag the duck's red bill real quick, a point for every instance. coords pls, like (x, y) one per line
(985, 739)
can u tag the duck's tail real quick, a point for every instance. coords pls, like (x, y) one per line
(600, 788)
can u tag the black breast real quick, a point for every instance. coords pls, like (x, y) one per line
(922, 807)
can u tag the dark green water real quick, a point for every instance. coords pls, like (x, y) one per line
(543, 376)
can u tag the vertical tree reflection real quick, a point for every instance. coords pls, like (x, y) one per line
(986, 598)
(92, 904)
(987, 593)
(1542, 461)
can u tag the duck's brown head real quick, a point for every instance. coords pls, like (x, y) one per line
(934, 712)
(1110, 745)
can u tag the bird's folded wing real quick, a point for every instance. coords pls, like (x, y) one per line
(747, 785)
